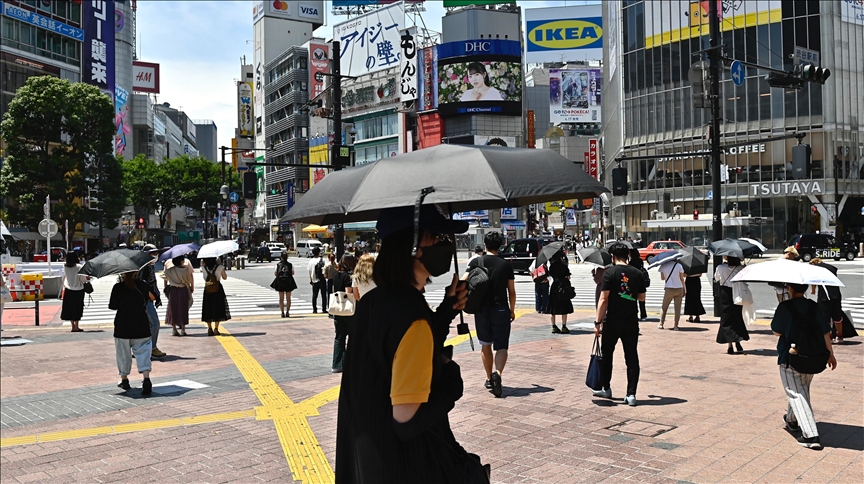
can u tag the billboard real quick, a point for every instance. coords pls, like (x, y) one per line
(574, 95)
(480, 76)
(318, 148)
(245, 116)
(852, 11)
(121, 119)
(667, 22)
(561, 34)
(145, 77)
(408, 66)
(98, 56)
(506, 141)
(427, 83)
(258, 93)
(593, 159)
(353, 3)
(319, 63)
(465, 3)
(311, 11)
(370, 42)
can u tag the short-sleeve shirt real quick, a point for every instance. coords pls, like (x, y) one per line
(782, 323)
(500, 273)
(624, 284)
(671, 272)
(412, 374)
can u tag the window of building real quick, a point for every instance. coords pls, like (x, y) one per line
(363, 156)
(376, 127)
(19, 35)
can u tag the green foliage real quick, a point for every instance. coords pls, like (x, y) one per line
(55, 133)
(202, 180)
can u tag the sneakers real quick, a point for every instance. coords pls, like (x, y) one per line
(175, 332)
(791, 425)
(631, 400)
(488, 384)
(565, 330)
(555, 330)
(336, 370)
(146, 387)
(124, 384)
(496, 384)
(810, 442)
(660, 326)
(604, 393)
(157, 353)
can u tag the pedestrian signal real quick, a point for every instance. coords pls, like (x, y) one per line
(695, 214)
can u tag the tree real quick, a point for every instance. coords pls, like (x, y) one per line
(56, 135)
(154, 188)
(201, 182)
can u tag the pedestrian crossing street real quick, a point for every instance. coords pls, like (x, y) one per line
(244, 299)
(854, 306)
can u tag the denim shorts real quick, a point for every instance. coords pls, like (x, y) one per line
(493, 327)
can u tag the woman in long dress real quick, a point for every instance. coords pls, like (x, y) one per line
(178, 276)
(214, 305)
(732, 328)
(559, 300)
(73, 293)
(693, 298)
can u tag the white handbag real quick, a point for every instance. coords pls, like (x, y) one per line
(741, 293)
(341, 304)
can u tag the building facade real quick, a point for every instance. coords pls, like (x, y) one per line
(648, 111)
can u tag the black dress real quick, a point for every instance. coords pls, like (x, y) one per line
(559, 303)
(73, 305)
(285, 282)
(732, 326)
(693, 299)
(214, 305)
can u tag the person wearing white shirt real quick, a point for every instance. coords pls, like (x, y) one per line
(318, 281)
(73, 293)
(673, 290)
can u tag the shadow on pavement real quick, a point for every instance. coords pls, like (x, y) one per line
(168, 358)
(524, 392)
(761, 331)
(840, 436)
(243, 335)
(160, 391)
(760, 353)
(848, 343)
(691, 329)
(659, 400)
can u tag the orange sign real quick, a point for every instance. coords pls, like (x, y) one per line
(531, 140)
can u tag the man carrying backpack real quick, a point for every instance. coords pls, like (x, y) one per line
(317, 279)
(496, 312)
(804, 349)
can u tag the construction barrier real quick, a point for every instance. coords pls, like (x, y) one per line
(31, 284)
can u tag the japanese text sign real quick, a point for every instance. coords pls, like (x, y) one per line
(319, 60)
(371, 42)
(32, 18)
(98, 47)
(408, 67)
(592, 157)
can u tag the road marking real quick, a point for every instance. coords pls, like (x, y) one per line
(304, 454)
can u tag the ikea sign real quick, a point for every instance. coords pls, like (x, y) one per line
(557, 35)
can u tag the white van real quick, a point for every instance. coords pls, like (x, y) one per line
(305, 246)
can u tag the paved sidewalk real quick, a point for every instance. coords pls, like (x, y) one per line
(259, 405)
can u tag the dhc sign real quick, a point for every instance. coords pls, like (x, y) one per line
(545, 35)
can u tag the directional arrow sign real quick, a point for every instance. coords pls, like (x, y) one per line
(737, 71)
(47, 228)
(233, 197)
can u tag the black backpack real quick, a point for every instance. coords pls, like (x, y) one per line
(319, 270)
(284, 270)
(478, 284)
(810, 355)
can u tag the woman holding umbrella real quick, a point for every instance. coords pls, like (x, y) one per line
(132, 329)
(732, 327)
(178, 276)
(214, 305)
(560, 292)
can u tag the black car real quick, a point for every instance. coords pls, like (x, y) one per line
(520, 253)
(824, 246)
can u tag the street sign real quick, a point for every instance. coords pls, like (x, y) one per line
(235, 208)
(710, 194)
(233, 197)
(47, 228)
(343, 151)
(738, 74)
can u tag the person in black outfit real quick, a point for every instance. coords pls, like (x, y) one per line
(617, 319)
(559, 292)
(637, 262)
(497, 312)
(732, 328)
(342, 283)
(284, 283)
(132, 329)
(400, 382)
(831, 303)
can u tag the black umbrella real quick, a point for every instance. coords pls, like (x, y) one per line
(115, 262)
(547, 252)
(733, 248)
(596, 256)
(694, 261)
(626, 243)
(464, 178)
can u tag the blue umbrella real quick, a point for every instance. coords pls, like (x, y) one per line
(178, 250)
(665, 257)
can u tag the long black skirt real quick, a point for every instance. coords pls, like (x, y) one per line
(732, 327)
(73, 305)
(214, 306)
(559, 303)
(693, 299)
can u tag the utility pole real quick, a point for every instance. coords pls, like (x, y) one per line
(715, 60)
(101, 209)
(336, 160)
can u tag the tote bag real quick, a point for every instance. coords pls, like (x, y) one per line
(594, 380)
(341, 304)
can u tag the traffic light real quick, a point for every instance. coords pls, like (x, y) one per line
(250, 184)
(619, 181)
(786, 81)
(141, 223)
(695, 214)
(801, 161)
(812, 73)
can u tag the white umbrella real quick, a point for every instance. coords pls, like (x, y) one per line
(789, 272)
(755, 242)
(215, 249)
(3, 229)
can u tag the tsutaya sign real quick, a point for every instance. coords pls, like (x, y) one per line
(787, 188)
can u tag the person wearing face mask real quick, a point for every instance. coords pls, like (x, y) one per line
(399, 382)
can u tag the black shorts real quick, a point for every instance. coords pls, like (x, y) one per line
(493, 327)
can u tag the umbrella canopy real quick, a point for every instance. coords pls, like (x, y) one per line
(733, 248)
(626, 243)
(694, 261)
(314, 229)
(140, 258)
(664, 257)
(547, 252)
(178, 250)
(215, 249)
(755, 242)
(595, 255)
(464, 178)
(113, 262)
(789, 272)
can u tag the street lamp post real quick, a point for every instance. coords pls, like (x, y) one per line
(204, 208)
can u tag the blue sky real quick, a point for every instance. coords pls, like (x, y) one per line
(199, 45)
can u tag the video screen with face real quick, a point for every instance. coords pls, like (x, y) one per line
(479, 87)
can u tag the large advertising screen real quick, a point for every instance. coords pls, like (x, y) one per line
(574, 95)
(561, 34)
(667, 22)
(479, 77)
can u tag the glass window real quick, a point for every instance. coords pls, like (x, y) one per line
(640, 70)
(629, 25)
(813, 32)
(10, 29)
(665, 70)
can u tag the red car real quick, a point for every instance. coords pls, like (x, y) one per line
(656, 247)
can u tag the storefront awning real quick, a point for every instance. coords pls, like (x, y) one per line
(512, 224)
(358, 226)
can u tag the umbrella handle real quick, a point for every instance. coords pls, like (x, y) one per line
(456, 269)
(423, 193)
